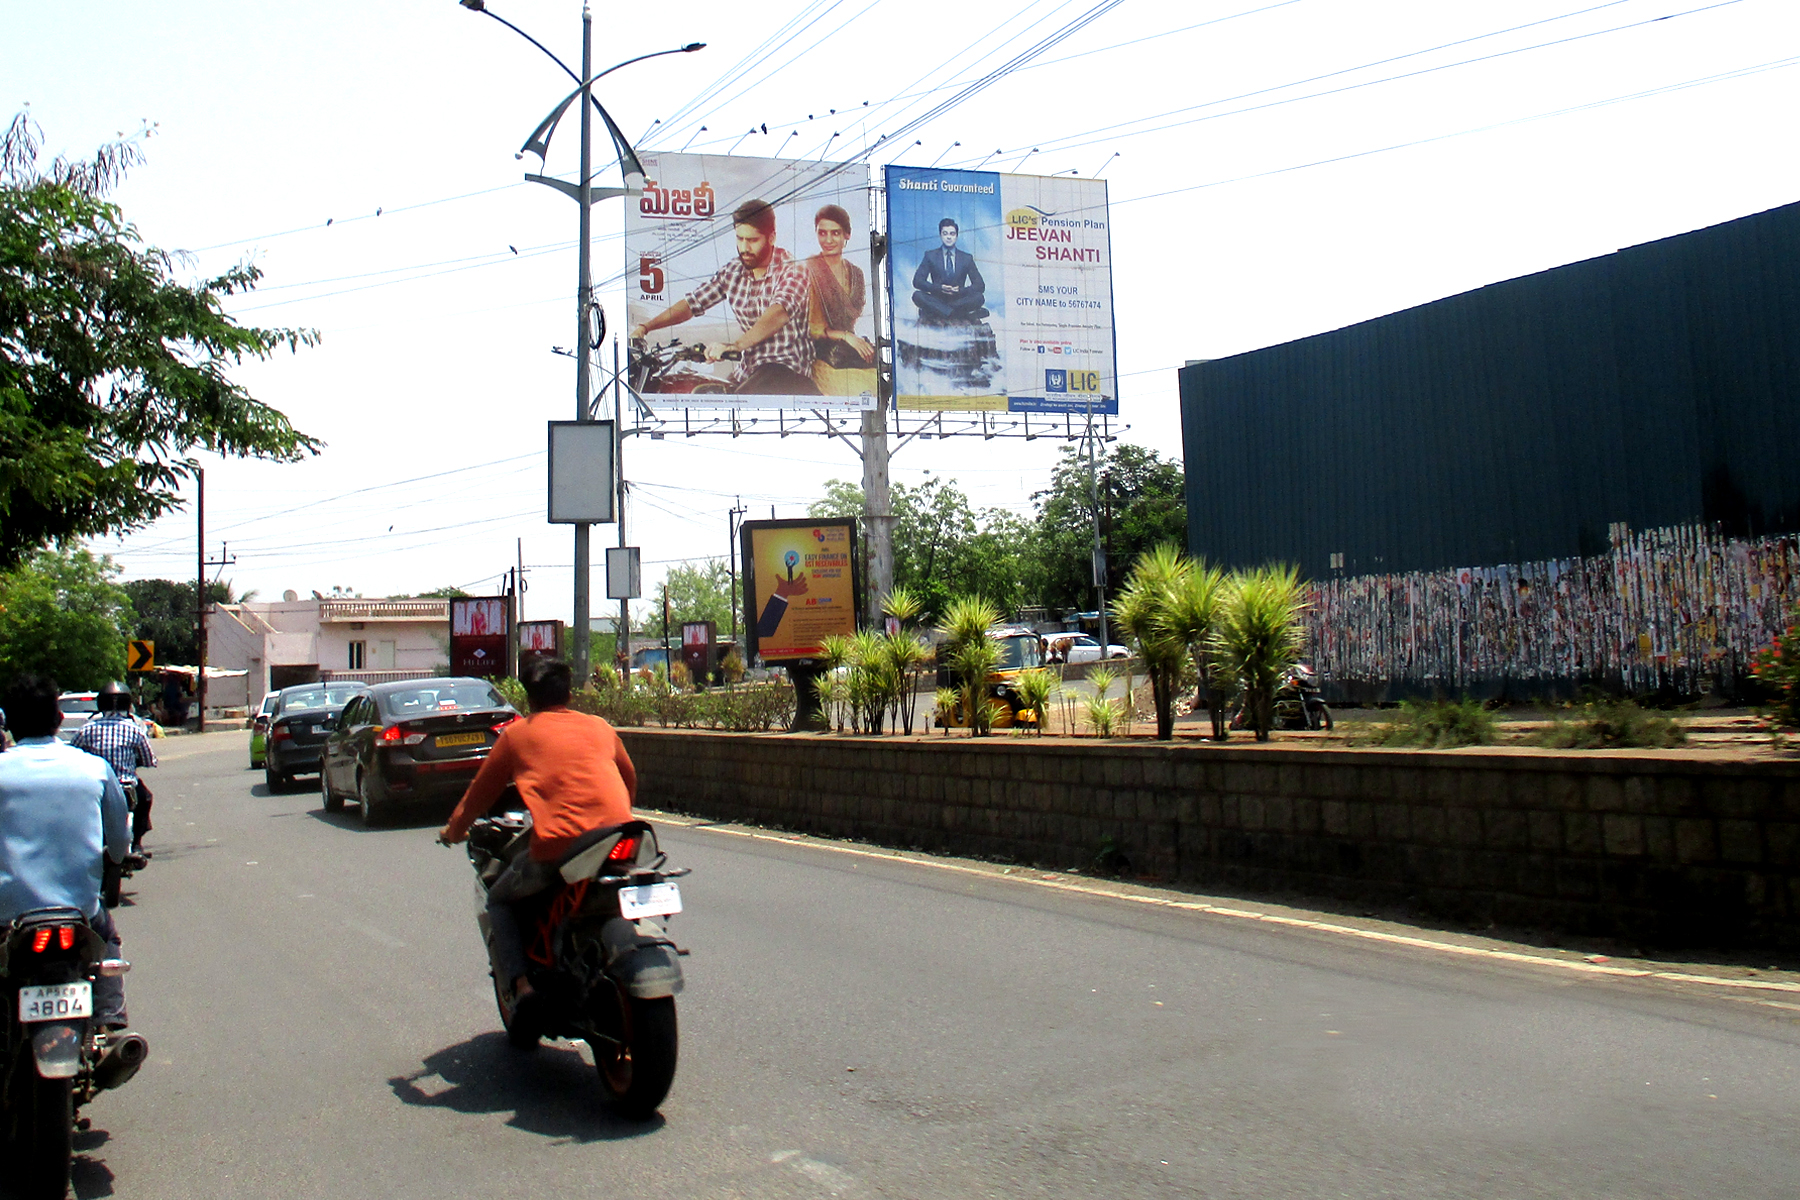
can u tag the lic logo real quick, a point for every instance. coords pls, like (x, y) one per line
(1056, 380)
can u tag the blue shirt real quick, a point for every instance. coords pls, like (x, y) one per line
(60, 809)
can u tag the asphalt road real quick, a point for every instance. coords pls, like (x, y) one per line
(321, 1025)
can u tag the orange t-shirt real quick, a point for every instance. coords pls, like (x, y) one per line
(571, 770)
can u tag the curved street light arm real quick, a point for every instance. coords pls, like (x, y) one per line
(539, 141)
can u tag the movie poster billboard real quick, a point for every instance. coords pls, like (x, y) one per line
(748, 283)
(1001, 292)
(800, 583)
(479, 635)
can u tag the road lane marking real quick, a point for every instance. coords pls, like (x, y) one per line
(1055, 883)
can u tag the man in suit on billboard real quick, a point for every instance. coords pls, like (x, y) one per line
(948, 287)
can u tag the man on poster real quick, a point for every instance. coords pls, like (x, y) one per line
(769, 294)
(948, 287)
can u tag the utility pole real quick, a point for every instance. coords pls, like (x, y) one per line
(1099, 549)
(731, 524)
(200, 602)
(878, 518)
(621, 636)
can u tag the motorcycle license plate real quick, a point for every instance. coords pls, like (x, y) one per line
(460, 739)
(57, 1002)
(650, 900)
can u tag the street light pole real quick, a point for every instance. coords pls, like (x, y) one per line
(584, 194)
(583, 305)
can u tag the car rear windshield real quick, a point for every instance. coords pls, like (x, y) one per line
(316, 698)
(436, 698)
(74, 704)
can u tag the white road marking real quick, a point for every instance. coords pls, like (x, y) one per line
(1062, 884)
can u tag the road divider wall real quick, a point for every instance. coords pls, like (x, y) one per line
(1661, 849)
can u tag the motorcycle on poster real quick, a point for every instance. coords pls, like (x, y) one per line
(749, 284)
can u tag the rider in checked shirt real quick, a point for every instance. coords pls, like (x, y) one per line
(114, 735)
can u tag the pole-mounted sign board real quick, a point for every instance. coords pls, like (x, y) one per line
(582, 457)
(800, 584)
(479, 636)
(624, 575)
(140, 655)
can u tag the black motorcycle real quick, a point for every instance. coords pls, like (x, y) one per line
(599, 956)
(1299, 702)
(674, 369)
(55, 1059)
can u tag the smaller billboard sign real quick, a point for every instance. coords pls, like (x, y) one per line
(540, 638)
(800, 585)
(479, 635)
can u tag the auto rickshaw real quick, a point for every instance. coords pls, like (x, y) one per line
(1020, 650)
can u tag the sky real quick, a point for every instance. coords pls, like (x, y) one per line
(1277, 168)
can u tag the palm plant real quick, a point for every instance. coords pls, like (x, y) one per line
(1035, 688)
(1102, 712)
(971, 655)
(870, 685)
(946, 708)
(1193, 612)
(904, 655)
(1142, 611)
(1258, 636)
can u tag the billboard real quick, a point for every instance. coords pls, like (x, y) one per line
(748, 283)
(1001, 289)
(800, 583)
(542, 639)
(478, 635)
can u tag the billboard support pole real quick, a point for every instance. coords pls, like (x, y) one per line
(877, 504)
(621, 636)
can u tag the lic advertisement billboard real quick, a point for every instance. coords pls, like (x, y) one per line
(1001, 291)
(748, 284)
(800, 584)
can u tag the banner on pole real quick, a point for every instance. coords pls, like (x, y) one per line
(749, 283)
(1001, 290)
(479, 635)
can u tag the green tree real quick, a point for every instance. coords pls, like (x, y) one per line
(61, 614)
(942, 545)
(1142, 505)
(442, 593)
(164, 611)
(699, 592)
(111, 371)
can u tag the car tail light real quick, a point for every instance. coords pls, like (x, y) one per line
(624, 850)
(281, 733)
(395, 735)
(502, 724)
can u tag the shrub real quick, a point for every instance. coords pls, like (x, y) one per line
(1436, 724)
(1611, 724)
(1777, 669)
(1258, 635)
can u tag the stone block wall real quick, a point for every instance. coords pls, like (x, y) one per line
(1657, 848)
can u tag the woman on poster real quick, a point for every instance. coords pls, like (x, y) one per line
(843, 362)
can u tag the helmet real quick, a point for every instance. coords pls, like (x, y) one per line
(114, 697)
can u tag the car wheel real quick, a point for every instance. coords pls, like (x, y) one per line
(276, 781)
(373, 806)
(333, 802)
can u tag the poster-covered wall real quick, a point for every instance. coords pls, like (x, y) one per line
(801, 585)
(749, 283)
(1001, 291)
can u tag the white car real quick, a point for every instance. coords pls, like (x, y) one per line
(78, 708)
(1080, 648)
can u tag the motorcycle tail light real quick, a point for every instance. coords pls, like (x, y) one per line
(40, 941)
(624, 850)
(65, 936)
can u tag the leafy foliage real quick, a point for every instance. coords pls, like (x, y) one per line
(1436, 724)
(971, 656)
(165, 615)
(1144, 610)
(1777, 669)
(1142, 505)
(1258, 636)
(62, 615)
(699, 592)
(111, 371)
(1608, 724)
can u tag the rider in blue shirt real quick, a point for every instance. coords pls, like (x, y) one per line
(60, 810)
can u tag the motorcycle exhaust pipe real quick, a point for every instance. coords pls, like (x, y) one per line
(125, 1053)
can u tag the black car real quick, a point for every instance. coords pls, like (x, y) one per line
(418, 739)
(303, 715)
